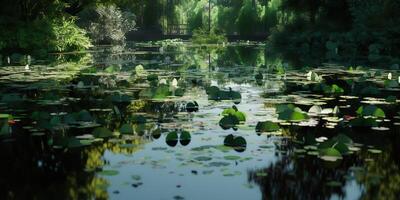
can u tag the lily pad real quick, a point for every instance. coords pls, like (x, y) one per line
(267, 126)
(102, 132)
(126, 129)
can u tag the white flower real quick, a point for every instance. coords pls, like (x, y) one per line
(309, 75)
(174, 83)
(162, 81)
(390, 76)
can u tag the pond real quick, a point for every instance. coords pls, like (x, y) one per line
(172, 120)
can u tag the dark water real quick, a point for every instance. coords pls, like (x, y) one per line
(101, 128)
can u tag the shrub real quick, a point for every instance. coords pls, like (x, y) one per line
(106, 24)
(42, 36)
(202, 36)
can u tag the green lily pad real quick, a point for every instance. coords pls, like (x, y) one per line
(371, 110)
(330, 154)
(290, 113)
(84, 115)
(102, 132)
(342, 148)
(232, 157)
(228, 122)
(203, 158)
(240, 116)
(239, 142)
(126, 129)
(172, 138)
(228, 141)
(267, 126)
(218, 164)
(185, 135)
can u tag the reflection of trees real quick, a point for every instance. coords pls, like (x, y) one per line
(295, 176)
(297, 179)
(381, 179)
(46, 173)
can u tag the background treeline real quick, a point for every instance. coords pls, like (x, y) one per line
(307, 31)
(348, 31)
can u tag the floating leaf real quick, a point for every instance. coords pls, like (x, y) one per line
(228, 141)
(214, 93)
(330, 154)
(267, 126)
(240, 116)
(291, 113)
(218, 164)
(228, 122)
(172, 138)
(203, 158)
(102, 132)
(232, 157)
(126, 129)
(84, 115)
(342, 148)
(184, 138)
(315, 110)
(371, 110)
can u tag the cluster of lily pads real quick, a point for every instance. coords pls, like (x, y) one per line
(182, 136)
(231, 118)
(214, 93)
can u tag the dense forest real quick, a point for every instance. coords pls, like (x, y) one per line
(304, 30)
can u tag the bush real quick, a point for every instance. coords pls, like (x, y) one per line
(68, 36)
(42, 36)
(202, 36)
(106, 24)
(247, 20)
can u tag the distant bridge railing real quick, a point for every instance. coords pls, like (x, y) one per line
(177, 29)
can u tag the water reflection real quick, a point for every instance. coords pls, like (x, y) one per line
(82, 131)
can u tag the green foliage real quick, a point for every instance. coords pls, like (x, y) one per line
(235, 141)
(172, 136)
(267, 126)
(45, 35)
(290, 112)
(214, 93)
(339, 31)
(107, 23)
(68, 36)
(202, 36)
(102, 132)
(231, 118)
(247, 20)
(371, 110)
(126, 129)
(240, 116)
